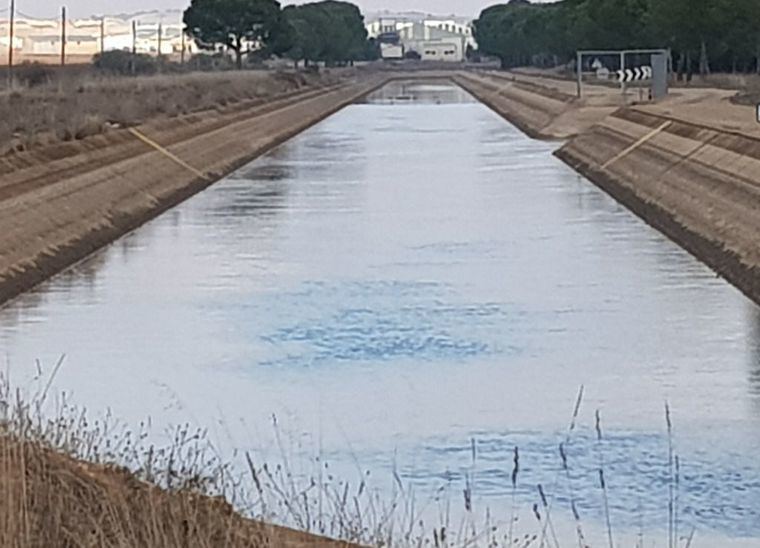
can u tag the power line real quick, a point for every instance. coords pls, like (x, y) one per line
(27, 16)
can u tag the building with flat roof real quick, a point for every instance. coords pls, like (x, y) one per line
(40, 39)
(432, 38)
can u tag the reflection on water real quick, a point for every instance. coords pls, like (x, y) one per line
(414, 93)
(754, 362)
(408, 275)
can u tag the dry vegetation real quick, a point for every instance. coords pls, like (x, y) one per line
(174, 497)
(749, 87)
(51, 500)
(79, 104)
(67, 482)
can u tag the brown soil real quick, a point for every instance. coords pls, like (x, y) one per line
(53, 501)
(61, 202)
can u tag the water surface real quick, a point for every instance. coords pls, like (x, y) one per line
(408, 276)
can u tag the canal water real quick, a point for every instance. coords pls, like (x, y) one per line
(414, 285)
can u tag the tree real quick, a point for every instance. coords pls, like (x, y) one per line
(703, 34)
(330, 31)
(237, 24)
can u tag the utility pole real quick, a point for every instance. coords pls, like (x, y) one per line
(134, 46)
(622, 67)
(10, 45)
(102, 34)
(134, 37)
(63, 36)
(182, 48)
(160, 32)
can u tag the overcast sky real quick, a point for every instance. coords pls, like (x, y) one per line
(83, 8)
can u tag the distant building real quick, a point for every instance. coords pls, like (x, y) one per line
(43, 45)
(40, 39)
(390, 44)
(391, 51)
(433, 44)
(432, 38)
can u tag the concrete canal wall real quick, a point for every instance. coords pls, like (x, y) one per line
(61, 203)
(530, 108)
(698, 184)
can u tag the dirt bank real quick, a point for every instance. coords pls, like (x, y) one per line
(60, 202)
(55, 501)
(689, 165)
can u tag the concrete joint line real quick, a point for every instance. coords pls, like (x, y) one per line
(150, 142)
(637, 144)
(699, 148)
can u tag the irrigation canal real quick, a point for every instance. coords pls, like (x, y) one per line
(410, 275)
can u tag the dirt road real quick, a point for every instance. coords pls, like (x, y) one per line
(552, 109)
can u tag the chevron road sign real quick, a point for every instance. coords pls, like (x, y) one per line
(635, 74)
(654, 74)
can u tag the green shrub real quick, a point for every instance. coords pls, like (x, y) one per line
(124, 62)
(33, 74)
(210, 61)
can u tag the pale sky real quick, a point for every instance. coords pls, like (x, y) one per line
(83, 8)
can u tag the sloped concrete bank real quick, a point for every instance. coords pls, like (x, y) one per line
(59, 204)
(698, 185)
(529, 107)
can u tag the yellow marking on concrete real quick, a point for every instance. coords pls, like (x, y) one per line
(637, 144)
(150, 142)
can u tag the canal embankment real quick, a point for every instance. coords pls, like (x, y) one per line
(689, 167)
(695, 178)
(61, 488)
(539, 110)
(60, 203)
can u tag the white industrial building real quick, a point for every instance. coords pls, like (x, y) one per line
(40, 39)
(432, 43)
(434, 39)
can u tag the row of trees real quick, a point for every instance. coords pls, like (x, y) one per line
(329, 31)
(704, 35)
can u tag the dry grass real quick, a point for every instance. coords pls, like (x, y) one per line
(67, 482)
(750, 90)
(80, 104)
(52, 500)
(174, 497)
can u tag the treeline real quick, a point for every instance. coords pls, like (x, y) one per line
(329, 31)
(705, 35)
